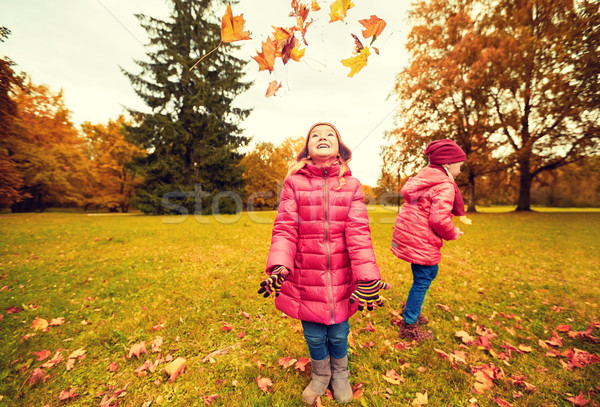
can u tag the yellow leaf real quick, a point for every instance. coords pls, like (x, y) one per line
(174, 368)
(357, 62)
(40, 324)
(232, 28)
(339, 8)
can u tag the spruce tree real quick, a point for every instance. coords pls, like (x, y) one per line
(192, 132)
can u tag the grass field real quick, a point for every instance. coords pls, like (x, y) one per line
(523, 287)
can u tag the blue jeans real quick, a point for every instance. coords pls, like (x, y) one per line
(324, 340)
(422, 278)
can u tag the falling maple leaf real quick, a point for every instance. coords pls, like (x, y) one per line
(286, 362)
(264, 383)
(358, 46)
(174, 368)
(266, 58)
(301, 364)
(40, 324)
(339, 9)
(137, 349)
(357, 62)
(232, 28)
(420, 399)
(373, 26)
(209, 399)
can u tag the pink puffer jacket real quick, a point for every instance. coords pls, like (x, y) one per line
(322, 236)
(425, 218)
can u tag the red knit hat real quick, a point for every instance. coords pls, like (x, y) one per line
(344, 152)
(445, 151)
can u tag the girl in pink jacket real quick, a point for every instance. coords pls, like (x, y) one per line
(321, 264)
(431, 198)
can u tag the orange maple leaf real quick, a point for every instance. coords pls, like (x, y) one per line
(174, 368)
(339, 9)
(226, 326)
(266, 58)
(57, 321)
(232, 28)
(391, 376)
(315, 6)
(357, 62)
(420, 399)
(264, 383)
(42, 354)
(373, 26)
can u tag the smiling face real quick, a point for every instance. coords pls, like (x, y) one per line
(323, 145)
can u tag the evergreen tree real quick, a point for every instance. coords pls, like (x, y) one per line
(192, 133)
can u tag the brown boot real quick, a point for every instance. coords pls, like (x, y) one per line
(342, 391)
(321, 375)
(421, 319)
(413, 332)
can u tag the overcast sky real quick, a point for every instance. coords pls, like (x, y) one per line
(79, 45)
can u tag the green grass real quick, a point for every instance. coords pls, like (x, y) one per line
(126, 274)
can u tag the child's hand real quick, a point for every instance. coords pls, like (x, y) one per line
(459, 232)
(367, 293)
(274, 282)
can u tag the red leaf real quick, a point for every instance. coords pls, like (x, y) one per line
(502, 402)
(579, 400)
(42, 354)
(36, 376)
(301, 364)
(113, 367)
(563, 328)
(69, 393)
(264, 383)
(226, 327)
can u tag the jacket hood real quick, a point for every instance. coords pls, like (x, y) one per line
(416, 186)
(312, 170)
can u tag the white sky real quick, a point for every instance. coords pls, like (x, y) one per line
(78, 46)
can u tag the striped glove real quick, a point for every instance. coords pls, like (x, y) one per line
(274, 282)
(367, 293)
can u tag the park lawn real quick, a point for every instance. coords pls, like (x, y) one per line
(523, 286)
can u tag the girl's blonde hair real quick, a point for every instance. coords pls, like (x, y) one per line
(344, 155)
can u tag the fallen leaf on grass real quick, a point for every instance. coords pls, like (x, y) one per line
(156, 344)
(578, 400)
(391, 376)
(286, 361)
(556, 340)
(113, 367)
(563, 328)
(444, 307)
(137, 349)
(466, 338)
(69, 393)
(357, 391)
(36, 376)
(264, 383)
(57, 321)
(40, 324)
(226, 327)
(209, 399)
(501, 402)
(420, 400)
(56, 359)
(42, 354)
(301, 364)
(175, 368)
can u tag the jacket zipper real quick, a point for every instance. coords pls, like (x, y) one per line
(328, 253)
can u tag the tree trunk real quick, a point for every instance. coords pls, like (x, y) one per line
(524, 202)
(471, 193)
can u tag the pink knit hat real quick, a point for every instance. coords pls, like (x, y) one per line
(445, 151)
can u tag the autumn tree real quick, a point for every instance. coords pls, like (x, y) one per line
(265, 169)
(503, 79)
(11, 181)
(192, 131)
(48, 151)
(114, 182)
